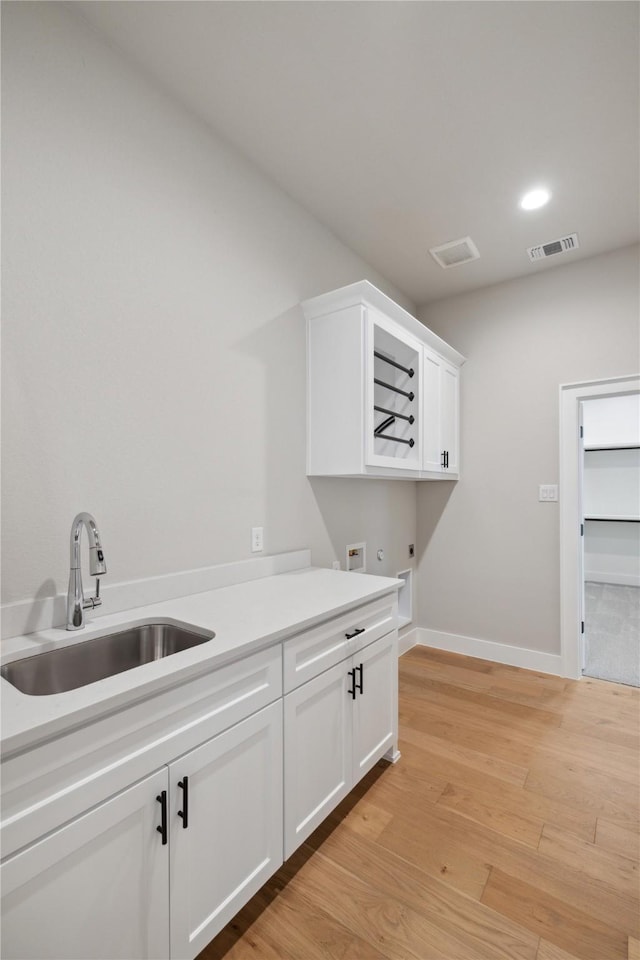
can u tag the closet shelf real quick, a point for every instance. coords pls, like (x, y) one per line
(617, 446)
(616, 519)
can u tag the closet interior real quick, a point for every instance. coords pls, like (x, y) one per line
(611, 512)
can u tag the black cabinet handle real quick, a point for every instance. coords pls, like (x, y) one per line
(184, 813)
(352, 691)
(447, 459)
(355, 633)
(359, 684)
(162, 829)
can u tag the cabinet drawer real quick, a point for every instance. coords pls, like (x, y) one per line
(315, 650)
(50, 784)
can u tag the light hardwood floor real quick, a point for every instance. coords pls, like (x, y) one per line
(509, 830)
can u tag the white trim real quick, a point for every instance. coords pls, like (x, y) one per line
(363, 293)
(407, 640)
(29, 616)
(571, 562)
(490, 650)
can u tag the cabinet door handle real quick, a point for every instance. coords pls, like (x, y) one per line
(352, 691)
(184, 813)
(162, 829)
(447, 459)
(359, 684)
(355, 633)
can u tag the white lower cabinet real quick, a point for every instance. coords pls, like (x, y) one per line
(337, 726)
(157, 870)
(139, 836)
(226, 827)
(97, 887)
(318, 752)
(375, 713)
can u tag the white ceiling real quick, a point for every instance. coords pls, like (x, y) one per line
(403, 125)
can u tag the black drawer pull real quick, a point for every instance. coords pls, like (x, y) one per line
(350, 636)
(162, 829)
(184, 813)
(352, 691)
(358, 685)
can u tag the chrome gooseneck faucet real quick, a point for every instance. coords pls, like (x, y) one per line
(76, 602)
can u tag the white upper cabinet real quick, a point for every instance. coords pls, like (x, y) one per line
(449, 419)
(382, 390)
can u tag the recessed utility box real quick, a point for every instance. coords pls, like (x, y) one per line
(357, 557)
(405, 598)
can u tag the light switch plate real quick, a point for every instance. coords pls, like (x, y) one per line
(548, 492)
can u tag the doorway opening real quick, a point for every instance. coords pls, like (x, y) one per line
(611, 538)
(576, 498)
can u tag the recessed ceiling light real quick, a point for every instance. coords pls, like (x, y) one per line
(535, 198)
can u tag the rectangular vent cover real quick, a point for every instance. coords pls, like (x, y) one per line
(563, 245)
(455, 253)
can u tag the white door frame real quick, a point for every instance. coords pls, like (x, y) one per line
(571, 554)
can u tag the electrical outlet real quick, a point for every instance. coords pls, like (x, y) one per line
(548, 492)
(335, 565)
(257, 539)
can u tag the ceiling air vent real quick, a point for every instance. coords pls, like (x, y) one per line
(455, 253)
(563, 245)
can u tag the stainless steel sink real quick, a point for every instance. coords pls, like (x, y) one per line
(71, 667)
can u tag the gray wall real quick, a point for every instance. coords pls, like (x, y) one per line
(488, 550)
(153, 344)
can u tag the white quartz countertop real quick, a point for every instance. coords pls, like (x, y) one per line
(245, 617)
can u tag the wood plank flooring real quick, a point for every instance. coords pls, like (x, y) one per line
(509, 830)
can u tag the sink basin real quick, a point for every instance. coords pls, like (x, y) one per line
(71, 667)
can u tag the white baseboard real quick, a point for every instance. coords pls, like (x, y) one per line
(407, 639)
(621, 579)
(489, 650)
(29, 616)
